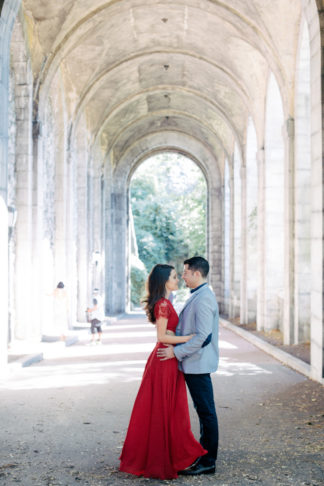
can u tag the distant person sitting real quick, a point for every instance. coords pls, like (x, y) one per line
(95, 318)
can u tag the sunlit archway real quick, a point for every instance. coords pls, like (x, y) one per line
(82, 106)
(168, 209)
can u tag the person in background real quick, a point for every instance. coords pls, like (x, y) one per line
(95, 318)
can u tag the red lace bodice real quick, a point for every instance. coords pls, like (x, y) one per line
(164, 308)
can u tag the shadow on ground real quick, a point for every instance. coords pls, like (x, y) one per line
(64, 419)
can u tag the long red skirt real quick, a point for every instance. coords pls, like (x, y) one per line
(159, 441)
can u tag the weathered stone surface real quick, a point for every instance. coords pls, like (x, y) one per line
(96, 87)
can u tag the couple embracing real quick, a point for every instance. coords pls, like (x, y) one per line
(159, 442)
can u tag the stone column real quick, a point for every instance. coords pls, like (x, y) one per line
(232, 244)
(97, 239)
(4, 82)
(116, 254)
(7, 18)
(215, 224)
(25, 325)
(108, 238)
(243, 290)
(237, 232)
(302, 137)
(3, 285)
(40, 300)
(317, 229)
(71, 239)
(251, 221)
(274, 208)
(226, 240)
(289, 243)
(82, 234)
(261, 241)
(61, 196)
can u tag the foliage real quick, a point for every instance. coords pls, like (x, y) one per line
(168, 199)
(138, 279)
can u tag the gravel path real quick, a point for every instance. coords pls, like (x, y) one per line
(63, 420)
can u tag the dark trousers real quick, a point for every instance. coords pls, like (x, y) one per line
(201, 391)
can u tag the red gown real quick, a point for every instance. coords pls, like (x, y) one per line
(159, 441)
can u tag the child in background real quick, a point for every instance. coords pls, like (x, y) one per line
(94, 317)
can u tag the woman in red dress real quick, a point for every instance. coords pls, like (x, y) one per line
(159, 441)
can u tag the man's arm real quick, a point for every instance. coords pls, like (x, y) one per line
(204, 318)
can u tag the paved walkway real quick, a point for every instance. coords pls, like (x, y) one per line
(63, 420)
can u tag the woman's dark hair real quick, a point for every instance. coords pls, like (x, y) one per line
(155, 286)
(60, 285)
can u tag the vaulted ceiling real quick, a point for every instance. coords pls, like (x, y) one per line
(198, 67)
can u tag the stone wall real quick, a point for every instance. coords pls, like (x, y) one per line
(8, 14)
(67, 169)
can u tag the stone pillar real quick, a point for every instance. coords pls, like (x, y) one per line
(251, 220)
(303, 215)
(3, 285)
(40, 301)
(317, 229)
(289, 243)
(261, 241)
(116, 279)
(274, 208)
(25, 325)
(232, 244)
(82, 234)
(215, 224)
(226, 239)
(237, 232)
(61, 196)
(8, 15)
(243, 290)
(97, 237)
(71, 239)
(108, 238)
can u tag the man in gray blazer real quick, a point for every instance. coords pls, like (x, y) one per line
(199, 357)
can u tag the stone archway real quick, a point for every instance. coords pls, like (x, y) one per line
(117, 201)
(185, 86)
(165, 172)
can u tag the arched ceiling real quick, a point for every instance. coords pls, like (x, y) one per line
(199, 67)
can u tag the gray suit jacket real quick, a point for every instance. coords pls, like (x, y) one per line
(199, 316)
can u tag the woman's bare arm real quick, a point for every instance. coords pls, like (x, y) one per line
(163, 337)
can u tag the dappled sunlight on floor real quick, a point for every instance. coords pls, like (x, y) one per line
(228, 367)
(76, 375)
(226, 345)
(106, 350)
(120, 359)
(65, 418)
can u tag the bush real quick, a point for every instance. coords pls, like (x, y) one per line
(137, 280)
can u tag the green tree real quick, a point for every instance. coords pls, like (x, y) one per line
(168, 198)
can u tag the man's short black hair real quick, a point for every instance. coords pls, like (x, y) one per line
(198, 263)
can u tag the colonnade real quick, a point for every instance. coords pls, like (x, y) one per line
(66, 187)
